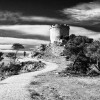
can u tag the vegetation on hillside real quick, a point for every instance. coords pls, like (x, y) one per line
(84, 52)
(15, 67)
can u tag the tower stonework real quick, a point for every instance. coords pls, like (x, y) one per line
(58, 32)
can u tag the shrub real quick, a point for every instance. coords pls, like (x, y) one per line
(12, 56)
(79, 67)
(14, 69)
(93, 51)
(1, 56)
(76, 44)
(32, 66)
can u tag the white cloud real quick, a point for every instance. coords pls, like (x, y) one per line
(6, 51)
(40, 19)
(87, 11)
(29, 29)
(2, 46)
(84, 32)
(7, 40)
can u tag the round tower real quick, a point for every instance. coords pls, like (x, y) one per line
(58, 32)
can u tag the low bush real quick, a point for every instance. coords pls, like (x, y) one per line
(14, 69)
(11, 69)
(31, 66)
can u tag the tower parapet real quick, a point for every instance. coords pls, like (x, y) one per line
(58, 32)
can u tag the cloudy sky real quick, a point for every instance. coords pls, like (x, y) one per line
(39, 7)
(74, 12)
(36, 16)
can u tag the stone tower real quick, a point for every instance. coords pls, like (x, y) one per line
(58, 32)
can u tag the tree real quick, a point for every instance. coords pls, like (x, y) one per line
(42, 47)
(76, 46)
(11, 55)
(93, 51)
(1, 56)
(17, 47)
(72, 36)
(81, 63)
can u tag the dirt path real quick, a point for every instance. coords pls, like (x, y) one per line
(14, 88)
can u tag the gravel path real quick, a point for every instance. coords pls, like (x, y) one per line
(15, 87)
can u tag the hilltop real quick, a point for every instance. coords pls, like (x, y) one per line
(67, 83)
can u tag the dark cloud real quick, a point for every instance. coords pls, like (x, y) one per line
(45, 8)
(7, 17)
(16, 34)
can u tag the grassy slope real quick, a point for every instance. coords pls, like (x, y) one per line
(54, 87)
(66, 88)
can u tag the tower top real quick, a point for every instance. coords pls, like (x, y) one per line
(59, 26)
